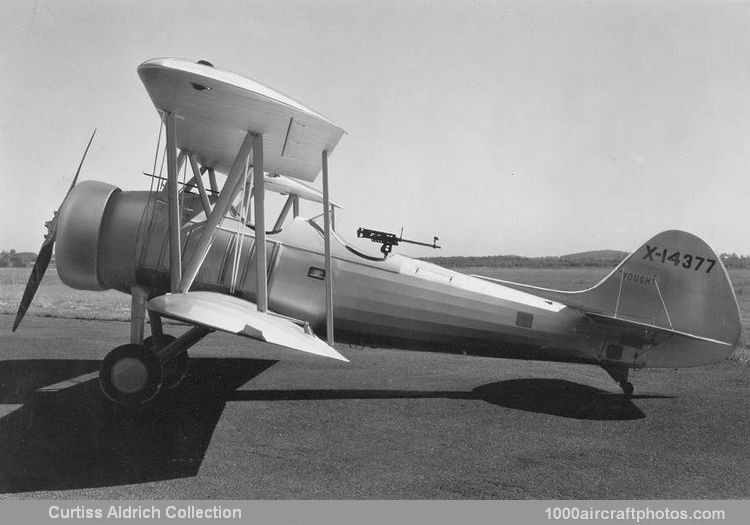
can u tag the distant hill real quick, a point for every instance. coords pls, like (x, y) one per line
(604, 255)
(593, 258)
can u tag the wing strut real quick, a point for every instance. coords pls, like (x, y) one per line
(199, 181)
(173, 203)
(260, 223)
(227, 195)
(232, 186)
(212, 180)
(329, 273)
(284, 212)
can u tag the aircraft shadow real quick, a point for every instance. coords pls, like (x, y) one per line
(555, 397)
(562, 398)
(74, 438)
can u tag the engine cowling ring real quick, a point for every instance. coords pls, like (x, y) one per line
(79, 231)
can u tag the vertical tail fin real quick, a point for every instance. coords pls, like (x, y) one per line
(674, 281)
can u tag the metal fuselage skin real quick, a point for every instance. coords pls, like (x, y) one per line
(397, 302)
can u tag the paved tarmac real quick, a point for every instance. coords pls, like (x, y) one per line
(247, 424)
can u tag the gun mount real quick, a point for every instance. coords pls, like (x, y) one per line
(389, 240)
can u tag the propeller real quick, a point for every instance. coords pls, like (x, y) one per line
(45, 252)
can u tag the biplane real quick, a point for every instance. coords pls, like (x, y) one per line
(196, 248)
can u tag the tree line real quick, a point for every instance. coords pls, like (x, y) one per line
(732, 260)
(14, 259)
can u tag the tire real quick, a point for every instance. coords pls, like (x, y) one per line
(130, 375)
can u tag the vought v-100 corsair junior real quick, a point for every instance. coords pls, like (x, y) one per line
(193, 252)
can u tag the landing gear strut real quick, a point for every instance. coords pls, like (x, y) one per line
(135, 373)
(174, 371)
(620, 374)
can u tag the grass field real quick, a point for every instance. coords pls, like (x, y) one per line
(54, 299)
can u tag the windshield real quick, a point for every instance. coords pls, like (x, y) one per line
(361, 247)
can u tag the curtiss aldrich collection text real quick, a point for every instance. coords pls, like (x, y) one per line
(145, 512)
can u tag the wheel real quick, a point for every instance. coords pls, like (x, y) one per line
(175, 370)
(130, 375)
(627, 387)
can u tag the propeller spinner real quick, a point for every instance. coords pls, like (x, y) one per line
(45, 252)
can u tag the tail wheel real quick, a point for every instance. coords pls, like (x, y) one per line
(176, 369)
(130, 375)
(627, 388)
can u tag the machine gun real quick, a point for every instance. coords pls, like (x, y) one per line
(389, 240)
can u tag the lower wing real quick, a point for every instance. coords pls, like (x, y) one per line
(237, 316)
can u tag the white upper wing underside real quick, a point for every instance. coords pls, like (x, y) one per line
(215, 109)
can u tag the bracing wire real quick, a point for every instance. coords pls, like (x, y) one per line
(156, 153)
(619, 291)
(184, 179)
(239, 236)
(147, 217)
(669, 320)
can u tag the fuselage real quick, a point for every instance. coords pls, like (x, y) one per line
(396, 302)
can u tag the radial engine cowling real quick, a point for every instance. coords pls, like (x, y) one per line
(96, 236)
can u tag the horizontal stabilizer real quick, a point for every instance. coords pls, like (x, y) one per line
(237, 316)
(615, 323)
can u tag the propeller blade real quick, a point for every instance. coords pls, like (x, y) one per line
(40, 266)
(81, 163)
(45, 252)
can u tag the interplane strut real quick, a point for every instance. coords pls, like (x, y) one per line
(231, 188)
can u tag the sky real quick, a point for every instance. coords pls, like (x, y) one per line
(530, 128)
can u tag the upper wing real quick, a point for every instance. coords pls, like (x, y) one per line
(237, 316)
(216, 108)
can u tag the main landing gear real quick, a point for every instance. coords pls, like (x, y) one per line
(620, 374)
(133, 374)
